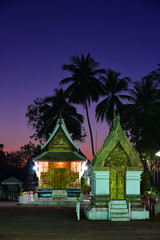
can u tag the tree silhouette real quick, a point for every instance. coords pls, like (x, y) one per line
(84, 85)
(113, 88)
(42, 116)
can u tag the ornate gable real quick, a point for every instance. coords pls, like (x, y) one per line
(60, 139)
(117, 150)
(60, 142)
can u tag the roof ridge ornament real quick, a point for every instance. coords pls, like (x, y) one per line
(60, 117)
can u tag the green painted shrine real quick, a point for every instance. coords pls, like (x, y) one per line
(115, 179)
(60, 166)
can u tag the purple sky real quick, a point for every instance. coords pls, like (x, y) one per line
(38, 37)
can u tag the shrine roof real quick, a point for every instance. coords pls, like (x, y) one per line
(54, 156)
(116, 135)
(12, 180)
(60, 124)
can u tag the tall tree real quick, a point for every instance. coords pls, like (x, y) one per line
(113, 89)
(3, 165)
(155, 75)
(42, 116)
(84, 85)
(143, 116)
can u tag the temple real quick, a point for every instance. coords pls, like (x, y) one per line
(115, 179)
(61, 165)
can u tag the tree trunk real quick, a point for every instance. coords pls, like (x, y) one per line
(90, 129)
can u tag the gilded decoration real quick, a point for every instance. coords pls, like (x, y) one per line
(117, 157)
(59, 176)
(101, 168)
(60, 142)
(117, 136)
(135, 168)
(117, 183)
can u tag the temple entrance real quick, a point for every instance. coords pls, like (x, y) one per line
(59, 178)
(117, 183)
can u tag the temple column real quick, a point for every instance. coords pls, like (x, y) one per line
(133, 179)
(100, 182)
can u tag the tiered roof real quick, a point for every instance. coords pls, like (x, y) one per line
(116, 137)
(60, 146)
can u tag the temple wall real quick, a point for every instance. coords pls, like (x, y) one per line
(100, 182)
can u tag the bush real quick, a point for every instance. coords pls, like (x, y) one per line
(85, 189)
(145, 182)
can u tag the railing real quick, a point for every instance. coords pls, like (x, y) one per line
(109, 213)
(129, 210)
(78, 208)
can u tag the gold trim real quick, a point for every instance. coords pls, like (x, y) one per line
(101, 168)
(135, 168)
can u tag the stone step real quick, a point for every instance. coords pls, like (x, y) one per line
(122, 210)
(118, 201)
(124, 206)
(120, 219)
(119, 215)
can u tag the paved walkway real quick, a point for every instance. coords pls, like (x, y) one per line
(19, 222)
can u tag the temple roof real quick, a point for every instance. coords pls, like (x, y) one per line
(11, 181)
(116, 138)
(60, 125)
(60, 156)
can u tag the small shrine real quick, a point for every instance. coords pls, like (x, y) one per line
(115, 180)
(61, 165)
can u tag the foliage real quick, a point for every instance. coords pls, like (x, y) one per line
(113, 88)
(3, 165)
(142, 118)
(84, 85)
(42, 116)
(85, 188)
(14, 163)
(30, 150)
(155, 75)
(145, 182)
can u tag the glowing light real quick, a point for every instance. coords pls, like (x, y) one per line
(85, 168)
(34, 168)
(158, 154)
(60, 164)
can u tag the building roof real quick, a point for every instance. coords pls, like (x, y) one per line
(54, 156)
(60, 124)
(116, 137)
(12, 180)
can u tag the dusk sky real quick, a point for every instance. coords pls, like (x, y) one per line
(37, 37)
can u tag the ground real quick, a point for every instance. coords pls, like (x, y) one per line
(19, 222)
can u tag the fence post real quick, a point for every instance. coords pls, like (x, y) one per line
(35, 198)
(78, 208)
(109, 217)
(21, 198)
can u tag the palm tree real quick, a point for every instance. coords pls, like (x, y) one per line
(85, 87)
(57, 106)
(144, 114)
(43, 115)
(113, 88)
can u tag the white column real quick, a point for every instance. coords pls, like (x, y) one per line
(133, 179)
(100, 182)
